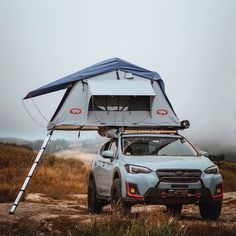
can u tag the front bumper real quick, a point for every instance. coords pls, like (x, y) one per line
(155, 196)
(178, 194)
(192, 188)
(170, 196)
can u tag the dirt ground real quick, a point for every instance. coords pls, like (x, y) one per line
(40, 216)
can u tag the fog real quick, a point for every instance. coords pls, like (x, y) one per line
(191, 44)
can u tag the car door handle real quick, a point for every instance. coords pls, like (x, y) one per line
(102, 163)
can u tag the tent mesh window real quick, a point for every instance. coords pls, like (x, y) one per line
(119, 103)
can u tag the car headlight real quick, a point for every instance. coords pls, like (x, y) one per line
(212, 170)
(137, 169)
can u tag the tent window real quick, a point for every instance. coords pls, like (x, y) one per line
(119, 103)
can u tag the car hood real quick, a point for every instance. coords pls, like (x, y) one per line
(170, 162)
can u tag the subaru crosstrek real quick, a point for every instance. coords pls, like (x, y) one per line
(154, 168)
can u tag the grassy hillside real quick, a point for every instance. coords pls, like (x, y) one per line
(54, 177)
(228, 171)
(58, 177)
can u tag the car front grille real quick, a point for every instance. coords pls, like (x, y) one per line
(179, 175)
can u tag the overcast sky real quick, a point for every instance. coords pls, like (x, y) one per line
(191, 44)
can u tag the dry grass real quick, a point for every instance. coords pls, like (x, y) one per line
(228, 171)
(207, 228)
(154, 223)
(54, 177)
(145, 223)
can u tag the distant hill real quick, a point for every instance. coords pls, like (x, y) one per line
(228, 153)
(55, 146)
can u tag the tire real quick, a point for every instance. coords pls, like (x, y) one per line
(174, 209)
(116, 199)
(210, 210)
(94, 205)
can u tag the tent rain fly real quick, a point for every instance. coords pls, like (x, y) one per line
(111, 93)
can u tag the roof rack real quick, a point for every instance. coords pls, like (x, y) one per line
(150, 131)
(114, 132)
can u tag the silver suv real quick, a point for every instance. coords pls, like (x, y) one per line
(154, 168)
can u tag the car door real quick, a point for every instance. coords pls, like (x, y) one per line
(104, 170)
(98, 169)
(109, 168)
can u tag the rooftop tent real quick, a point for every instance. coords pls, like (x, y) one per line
(110, 93)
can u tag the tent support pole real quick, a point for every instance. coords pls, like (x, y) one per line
(31, 172)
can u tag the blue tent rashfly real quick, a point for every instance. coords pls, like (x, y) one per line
(96, 69)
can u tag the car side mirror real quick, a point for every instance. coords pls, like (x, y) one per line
(108, 154)
(203, 153)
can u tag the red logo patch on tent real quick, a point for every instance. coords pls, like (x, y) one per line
(75, 111)
(162, 112)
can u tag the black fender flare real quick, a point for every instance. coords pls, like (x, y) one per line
(91, 176)
(116, 174)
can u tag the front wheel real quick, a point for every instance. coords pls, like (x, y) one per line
(210, 210)
(94, 205)
(116, 199)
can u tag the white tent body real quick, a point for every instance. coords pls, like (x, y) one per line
(112, 99)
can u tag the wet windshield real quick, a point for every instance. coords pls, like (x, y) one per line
(157, 146)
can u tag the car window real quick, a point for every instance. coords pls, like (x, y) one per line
(157, 146)
(105, 147)
(113, 147)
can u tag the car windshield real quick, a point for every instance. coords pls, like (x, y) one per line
(157, 146)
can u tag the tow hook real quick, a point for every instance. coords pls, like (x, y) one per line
(198, 195)
(163, 194)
